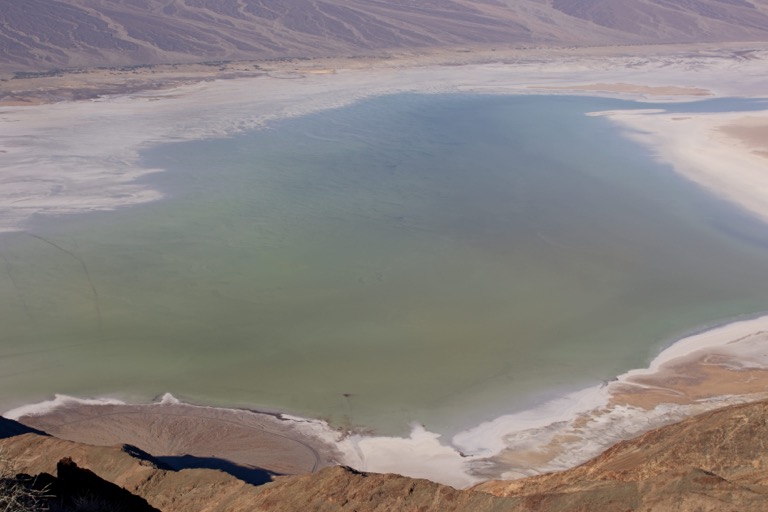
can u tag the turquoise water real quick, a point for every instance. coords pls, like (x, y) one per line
(442, 259)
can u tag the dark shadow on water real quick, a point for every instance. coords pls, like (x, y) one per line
(249, 474)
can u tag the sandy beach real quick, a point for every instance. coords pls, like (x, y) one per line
(67, 157)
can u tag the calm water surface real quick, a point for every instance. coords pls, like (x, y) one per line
(433, 258)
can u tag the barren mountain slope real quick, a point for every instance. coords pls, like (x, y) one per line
(48, 34)
(674, 20)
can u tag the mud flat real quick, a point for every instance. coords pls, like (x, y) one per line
(186, 435)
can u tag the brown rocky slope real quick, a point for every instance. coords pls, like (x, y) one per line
(716, 461)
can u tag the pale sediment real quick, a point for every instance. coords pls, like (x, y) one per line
(723, 152)
(751, 131)
(728, 360)
(188, 435)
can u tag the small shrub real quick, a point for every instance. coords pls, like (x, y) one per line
(18, 492)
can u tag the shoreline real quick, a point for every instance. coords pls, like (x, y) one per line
(716, 367)
(72, 177)
(21, 88)
(173, 430)
(47, 170)
(722, 152)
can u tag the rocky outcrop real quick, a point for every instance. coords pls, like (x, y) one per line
(167, 490)
(344, 489)
(74, 488)
(713, 462)
(339, 489)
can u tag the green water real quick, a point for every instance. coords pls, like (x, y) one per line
(435, 258)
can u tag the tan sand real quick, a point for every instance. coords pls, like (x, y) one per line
(752, 132)
(735, 363)
(684, 384)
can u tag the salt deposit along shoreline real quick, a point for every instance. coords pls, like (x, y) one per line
(74, 157)
(722, 152)
(555, 435)
(68, 157)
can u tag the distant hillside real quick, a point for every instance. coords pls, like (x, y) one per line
(48, 34)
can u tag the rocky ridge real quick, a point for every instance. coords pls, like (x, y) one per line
(715, 461)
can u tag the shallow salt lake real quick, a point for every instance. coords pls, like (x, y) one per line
(433, 258)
